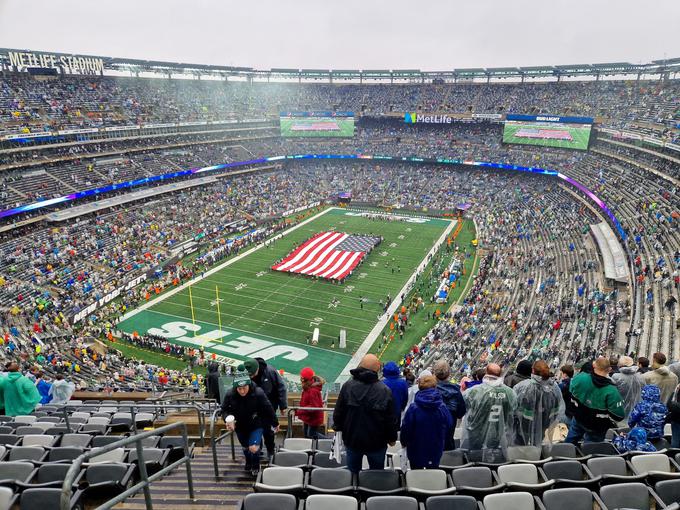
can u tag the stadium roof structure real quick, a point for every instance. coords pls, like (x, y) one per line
(661, 68)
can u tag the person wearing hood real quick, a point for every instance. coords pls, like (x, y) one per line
(597, 404)
(270, 381)
(452, 397)
(629, 383)
(397, 385)
(61, 390)
(415, 388)
(312, 385)
(634, 441)
(487, 426)
(246, 410)
(43, 388)
(212, 382)
(364, 414)
(567, 375)
(522, 373)
(539, 406)
(649, 413)
(427, 423)
(662, 377)
(18, 392)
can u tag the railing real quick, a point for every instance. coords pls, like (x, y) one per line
(145, 479)
(292, 409)
(134, 408)
(215, 440)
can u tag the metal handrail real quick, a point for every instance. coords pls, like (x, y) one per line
(196, 407)
(67, 487)
(214, 440)
(291, 409)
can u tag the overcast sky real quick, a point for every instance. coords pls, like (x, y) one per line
(350, 34)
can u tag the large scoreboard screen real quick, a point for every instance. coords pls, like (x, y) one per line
(548, 131)
(317, 124)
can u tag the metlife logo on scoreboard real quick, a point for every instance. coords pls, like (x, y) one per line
(419, 118)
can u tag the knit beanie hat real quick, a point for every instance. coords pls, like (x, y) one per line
(306, 373)
(241, 379)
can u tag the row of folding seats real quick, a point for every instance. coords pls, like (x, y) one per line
(633, 495)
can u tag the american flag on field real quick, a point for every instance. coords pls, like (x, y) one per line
(330, 255)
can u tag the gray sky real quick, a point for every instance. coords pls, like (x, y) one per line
(350, 34)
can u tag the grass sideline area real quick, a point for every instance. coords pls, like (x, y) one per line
(420, 324)
(272, 314)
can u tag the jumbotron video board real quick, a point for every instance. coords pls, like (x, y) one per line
(548, 131)
(317, 124)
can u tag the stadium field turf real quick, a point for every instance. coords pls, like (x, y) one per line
(272, 314)
(580, 137)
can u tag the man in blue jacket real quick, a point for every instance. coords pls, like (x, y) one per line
(452, 397)
(427, 423)
(397, 385)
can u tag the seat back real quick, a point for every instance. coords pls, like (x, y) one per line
(37, 440)
(282, 476)
(298, 443)
(52, 473)
(289, 459)
(268, 501)
(150, 455)
(599, 449)
(105, 472)
(379, 480)
(116, 455)
(523, 453)
(331, 502)
(6, 497)
(99, 441)
(668, 491)
(79, 440)
(171, 442)
(563, 469)
(392, 503)
(452, 458)
(426, 479)
(26, 453)
(607, 466)
(8, 439)
(505, 501)
(26, 430)
(625, 495)
(324, 445)
(651, 462)
(577, 498)
(518, 473)
(15, 470)
(40, 499)
(450, 502)
(65, 453)
(25, 418)
(322, 459)
(472, 477)
(329, 478)
(560, 450)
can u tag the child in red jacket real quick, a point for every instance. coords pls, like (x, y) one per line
(311, 397)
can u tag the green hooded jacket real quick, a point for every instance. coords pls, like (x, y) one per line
(598, 405)
(19, 394)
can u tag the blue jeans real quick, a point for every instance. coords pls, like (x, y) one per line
(312, 432)
(376, 459)
(578, 432)
(675, 440)
(247, 439)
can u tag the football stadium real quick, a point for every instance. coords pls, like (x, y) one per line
(415, 269)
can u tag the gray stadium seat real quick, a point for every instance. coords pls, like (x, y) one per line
(506, 501)
(523, 477)
(598, 449)
(288, 480)
(451, 502)
(475, 481)
(322, 459)
(423, 483)
(290, 459)
(613, 469)
(78, 440)
(668, 491)
(64, 453)
(627, 495)
(268, 502)
(452, 459)
(576, 498)
(392, 503)
(569, 473)
(656, 466)
(380, 482)
(33, 453)
(12, 472)
(329, 481)
(330, 502)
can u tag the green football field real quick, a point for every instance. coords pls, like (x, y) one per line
(580, 135)
(272, 314)
(338, 126)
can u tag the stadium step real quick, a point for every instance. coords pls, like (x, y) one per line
(172, 490)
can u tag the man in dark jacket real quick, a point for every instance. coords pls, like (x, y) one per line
(674, 417)
(452, 397)
(521, 373)
(598, 405)
(567, 375)
(274, 387)
(364, 413)
(247, 411)
(212, 382)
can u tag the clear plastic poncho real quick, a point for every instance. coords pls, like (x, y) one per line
(61, 391)
(488, 422)
(539, 408)
(629, 383)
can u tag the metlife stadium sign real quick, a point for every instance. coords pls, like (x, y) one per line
(419, 118)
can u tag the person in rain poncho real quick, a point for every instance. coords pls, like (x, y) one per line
(539, 406)
(61, 390)
(18, 392)
(487, 426)
(629, 382)
(649, 413)
(634, 441)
